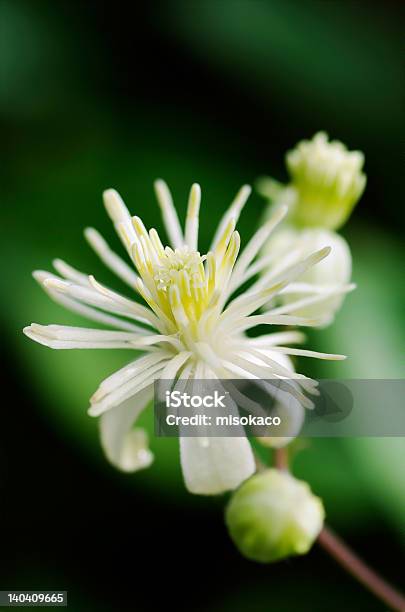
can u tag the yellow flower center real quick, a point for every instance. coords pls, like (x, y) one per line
(180, 266)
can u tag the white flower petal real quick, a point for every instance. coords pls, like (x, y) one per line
(305, 353)
(259, 265)
(292, 415)
(281, 366)
(263, 373)
(297, 305)
(82, 309)
(245, 304)
(191, 230)
(256, 243)
(126, 448)
(119, 215)
(233, 212)
(65, 337)
(215, 465)
(109, 258)
(169, 214)
(267, 318)
(128, 372)
(91, 296)
(294, 271)
(70, 273)
(174, 365)
(270, 340)
(140, 381)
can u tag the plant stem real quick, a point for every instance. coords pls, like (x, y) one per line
(281, 458)
(352, 563)
(349, 560)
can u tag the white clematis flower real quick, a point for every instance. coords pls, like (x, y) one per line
(191, 327)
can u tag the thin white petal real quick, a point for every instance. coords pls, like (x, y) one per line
(233, 212)
(82, 309)
(252, 270)
(266, 373)
(258, 356)
(91, 296)
(61, 339)
(127, 390)
(293, 271)
(209, 357)
(297, 288)
(169, 214)
(268, 319)
(129, 371)
(224, 272)
(160, 339)
(174, 365)
(68, 332)
(115, 206)
(305, 353)
(257, 241)
(144, 314)
(191, 232)
(309, 301)
(109, 258)
(120, 216)
(245, 304)
(283, 263)
(70, 273)
(271, 340)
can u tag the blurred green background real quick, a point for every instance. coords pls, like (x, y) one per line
(96, 95)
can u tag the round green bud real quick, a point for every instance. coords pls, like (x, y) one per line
(273, 515)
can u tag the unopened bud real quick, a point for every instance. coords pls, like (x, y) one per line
(329, 277)
(327, 179)
(273, 515)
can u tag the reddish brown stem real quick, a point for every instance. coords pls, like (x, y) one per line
(349, 560)
(344, 555)
(281, 458)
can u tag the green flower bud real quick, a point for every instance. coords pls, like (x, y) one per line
(273, 515)
(327, 181)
